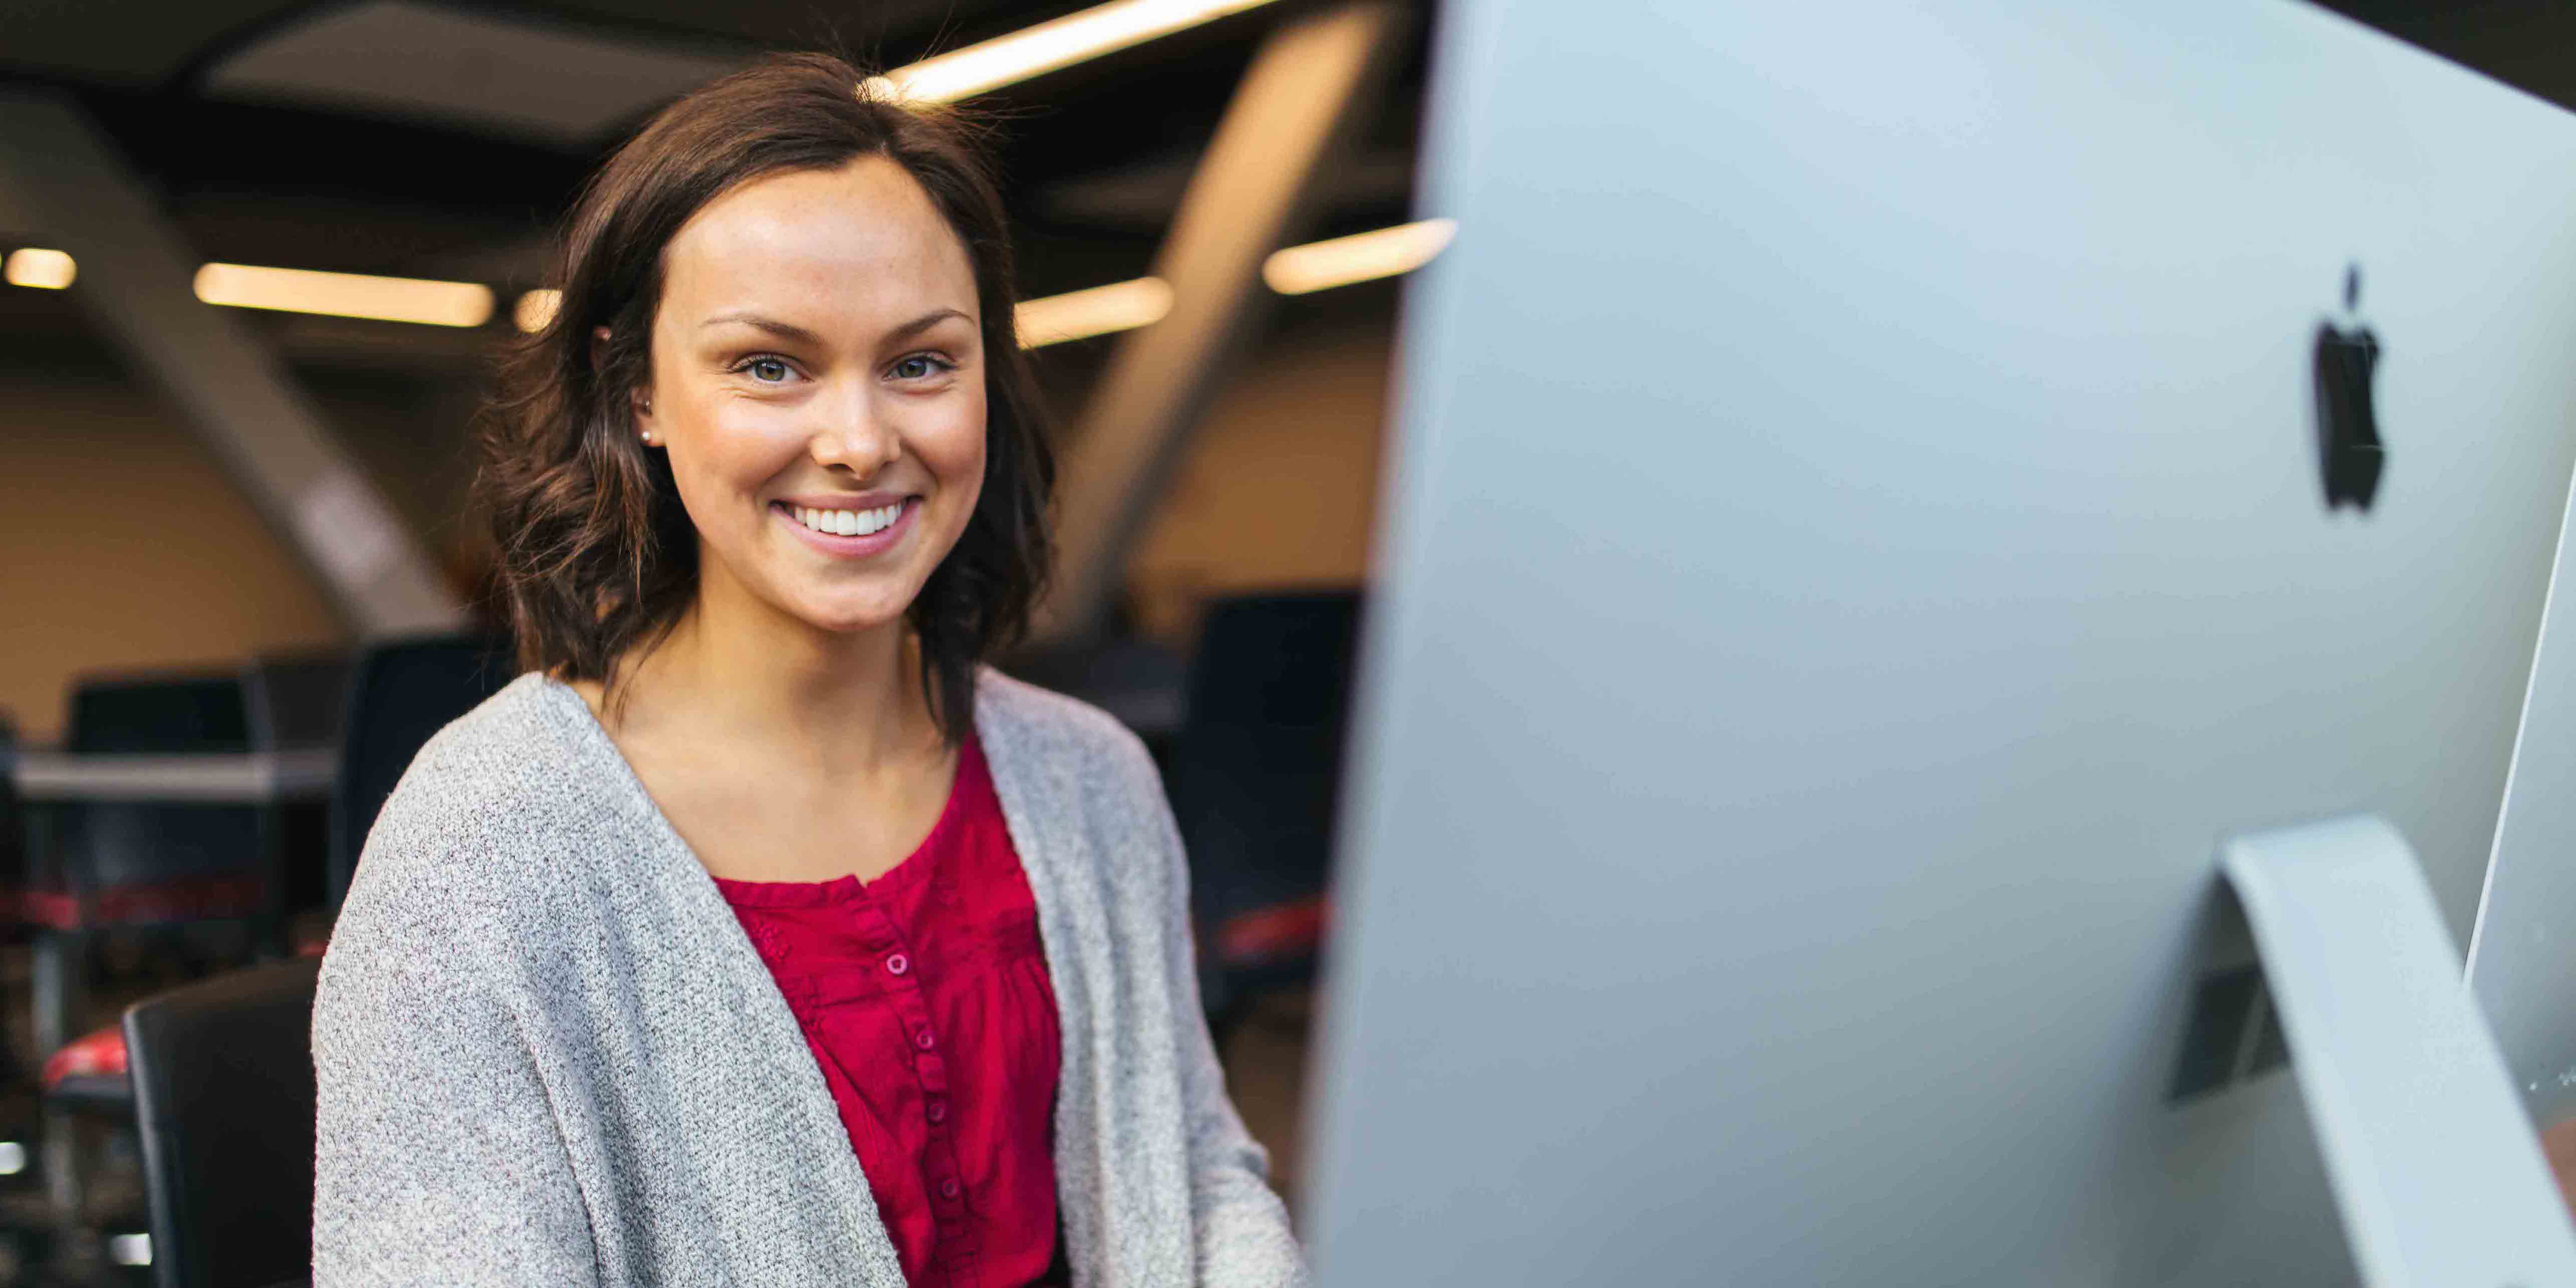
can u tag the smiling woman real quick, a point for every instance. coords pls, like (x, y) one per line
(720, 235)
(760, 934)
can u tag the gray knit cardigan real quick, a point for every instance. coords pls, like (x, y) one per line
(549, 1056)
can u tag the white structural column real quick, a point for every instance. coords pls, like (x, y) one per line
(62, 184)
(1310, 87)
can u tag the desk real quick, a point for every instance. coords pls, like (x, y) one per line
(260, 778)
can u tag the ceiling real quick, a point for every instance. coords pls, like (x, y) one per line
(445, 137)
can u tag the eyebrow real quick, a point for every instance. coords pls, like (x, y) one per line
(791, 331)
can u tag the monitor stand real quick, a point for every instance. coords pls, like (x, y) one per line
(2433, 1164)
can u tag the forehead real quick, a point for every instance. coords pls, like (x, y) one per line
(863, 236)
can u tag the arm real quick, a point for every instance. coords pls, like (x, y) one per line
(1243, 1239)
(437, 1157)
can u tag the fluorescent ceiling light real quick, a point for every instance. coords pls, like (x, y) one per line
(1123, 306)
(1357, 258)
(536, 308)
(1047, 46)
(1119, 306)
(347, 295)
(50, 270)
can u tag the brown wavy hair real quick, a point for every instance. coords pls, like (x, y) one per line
(597, 556)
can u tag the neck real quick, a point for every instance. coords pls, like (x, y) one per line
(735, 668)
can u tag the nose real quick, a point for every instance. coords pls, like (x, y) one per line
(852, 432)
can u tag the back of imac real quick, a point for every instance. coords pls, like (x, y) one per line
(2522, 957)
(1862, 534)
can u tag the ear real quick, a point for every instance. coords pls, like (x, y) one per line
(639, 401)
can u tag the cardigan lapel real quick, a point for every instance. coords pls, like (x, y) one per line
(1065, 919)
(1125, 1220)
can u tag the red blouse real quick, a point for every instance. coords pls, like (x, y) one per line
(925, 998)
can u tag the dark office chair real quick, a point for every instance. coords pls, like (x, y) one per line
(400, 693)
(297, 704)
(144, 862)
(224, 1102)
(152, 867)
(1255, 781)
(1138, 682)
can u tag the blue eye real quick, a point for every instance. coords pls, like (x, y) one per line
(768, 371)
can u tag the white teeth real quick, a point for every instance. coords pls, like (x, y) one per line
(848, 523)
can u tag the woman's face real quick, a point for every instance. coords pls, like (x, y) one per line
(818, 381)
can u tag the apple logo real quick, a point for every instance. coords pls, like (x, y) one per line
(2348, 447)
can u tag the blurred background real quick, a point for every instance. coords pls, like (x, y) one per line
(259, 255)
(436, 141)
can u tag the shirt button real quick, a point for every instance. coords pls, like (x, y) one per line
(898, 964)
(923, 1040)
(938, 1111)
(948, 1188)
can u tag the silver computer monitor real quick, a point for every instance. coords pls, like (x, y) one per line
(1878, 502)
(2522, 956)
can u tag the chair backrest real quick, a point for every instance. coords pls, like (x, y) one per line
(224, 1103)
(400, 693)
(295, 702)
(128, 843)
(1256, 771)
(178, 714)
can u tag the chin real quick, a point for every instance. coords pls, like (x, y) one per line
(849, 619)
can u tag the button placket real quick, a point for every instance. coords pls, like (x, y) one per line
(941, 1171)
(870, 965)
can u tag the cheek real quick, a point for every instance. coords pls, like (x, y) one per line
(954, 453)
(724, 454)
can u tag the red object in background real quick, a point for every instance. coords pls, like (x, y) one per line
(99, 1054)
(1269, 934)
(925, 998)
(185, 899)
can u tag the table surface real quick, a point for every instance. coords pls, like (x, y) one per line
(247, 779)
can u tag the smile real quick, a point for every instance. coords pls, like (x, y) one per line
(853, 533)
(846, 523)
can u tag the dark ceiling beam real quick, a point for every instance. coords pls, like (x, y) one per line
(1309, 90)
(61, 183)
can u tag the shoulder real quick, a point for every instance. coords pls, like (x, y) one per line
(483, 819)
(1076, 784)
(1068, 737)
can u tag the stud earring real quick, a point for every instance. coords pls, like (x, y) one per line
(647, 437)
